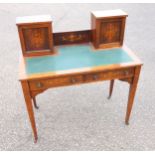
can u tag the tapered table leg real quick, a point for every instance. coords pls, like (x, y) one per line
(29, 106)
(111, 88)
(35, 103)
(132, 91)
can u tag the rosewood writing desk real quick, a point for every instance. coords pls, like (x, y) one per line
(76, 58)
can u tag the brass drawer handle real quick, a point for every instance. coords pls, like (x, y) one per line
(39, 85)
(126, 72)
(95, 77)
(73, 80)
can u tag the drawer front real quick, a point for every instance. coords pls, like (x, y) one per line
(107, 75)
(77, 79)
(54, 82)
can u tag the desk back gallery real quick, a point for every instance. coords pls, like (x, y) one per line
(37, 37)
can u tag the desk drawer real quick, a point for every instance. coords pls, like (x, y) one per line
(77, 79)
(108, 75)
(54, 82)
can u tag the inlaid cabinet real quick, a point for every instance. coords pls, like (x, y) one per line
(108, 28)
(35, 34)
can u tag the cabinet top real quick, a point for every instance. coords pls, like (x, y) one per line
(33, 19)
(109, 13)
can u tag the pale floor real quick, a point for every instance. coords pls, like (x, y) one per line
(78, 117)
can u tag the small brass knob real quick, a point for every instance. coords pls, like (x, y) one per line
(126, 72)
(39, 84)
(73, 80)
(95, 77)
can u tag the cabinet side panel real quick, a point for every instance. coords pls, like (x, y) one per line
(123, 30)
(94, 32)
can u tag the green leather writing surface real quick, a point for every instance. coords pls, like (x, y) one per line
(73, 57)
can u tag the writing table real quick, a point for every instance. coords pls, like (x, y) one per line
(70, 58)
